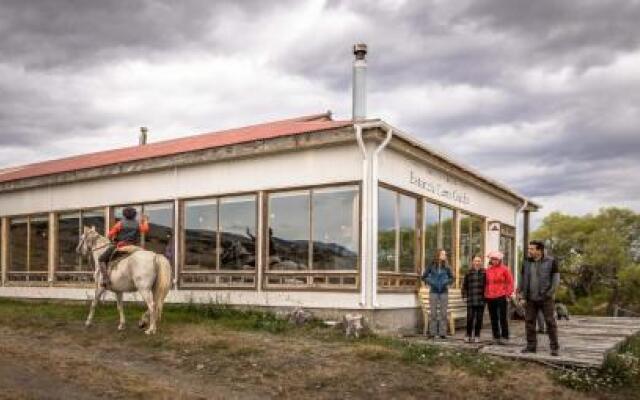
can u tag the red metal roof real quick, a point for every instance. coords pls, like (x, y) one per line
(312, 123)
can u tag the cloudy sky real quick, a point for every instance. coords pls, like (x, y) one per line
(542, 95)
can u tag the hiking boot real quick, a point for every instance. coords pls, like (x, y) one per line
(555, 353)
(443, 337)
(467, 339)
(527, 350)
(476, 339)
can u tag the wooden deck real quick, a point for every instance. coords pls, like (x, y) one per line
(584, 341)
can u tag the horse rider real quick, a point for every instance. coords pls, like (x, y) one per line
(125, 232)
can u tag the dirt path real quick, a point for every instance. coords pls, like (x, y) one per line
(54, 357)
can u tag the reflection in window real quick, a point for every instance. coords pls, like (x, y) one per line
(507, 246)
(432, 229)
(159, 239)
(39, 244)
(439, 231)
(18, 242)
(471, 236)
(408, 238)
(95, 219)
(289, 230)
(335, 223)
(446, 223)
(238, 233)
(70, 226)
(29, 247)
(68, 237)
(397, 236)
(201, 226)
(387, 201)
(313, 238)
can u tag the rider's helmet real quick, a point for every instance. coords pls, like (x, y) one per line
(129, 212)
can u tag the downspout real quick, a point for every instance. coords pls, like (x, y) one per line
(369, 211)
(516, 259)
(374, 218)
(364, 212)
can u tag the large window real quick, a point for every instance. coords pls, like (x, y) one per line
(160, 239)
(439, 232)
(313, 238)
(29, 249)
(471, 242)
(397, 239)
(220, 242)
(71, 267)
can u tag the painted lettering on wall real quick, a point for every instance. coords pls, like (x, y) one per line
(438, 189)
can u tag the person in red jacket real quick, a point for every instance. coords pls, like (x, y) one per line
(498, 288)
(125, 232)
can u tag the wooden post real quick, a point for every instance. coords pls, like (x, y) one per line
(4, 248)
(52, 248)
(455, 250)
(260, 240)
(177, 232)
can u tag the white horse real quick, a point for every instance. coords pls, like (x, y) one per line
(143, 271)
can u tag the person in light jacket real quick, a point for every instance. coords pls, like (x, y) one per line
(437, 276)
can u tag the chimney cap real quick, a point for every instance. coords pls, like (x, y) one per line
(360, 50)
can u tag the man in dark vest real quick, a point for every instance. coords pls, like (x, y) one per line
(125, 232)
(538, 283)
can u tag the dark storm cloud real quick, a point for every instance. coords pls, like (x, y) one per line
(584, 33)
(64, 33)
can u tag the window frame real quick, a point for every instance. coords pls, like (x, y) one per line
(396, 280)
(199, 278)
(310, 274)
(31, 278)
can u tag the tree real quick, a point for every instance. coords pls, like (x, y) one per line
(594, 251)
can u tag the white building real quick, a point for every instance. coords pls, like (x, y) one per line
(329, 215)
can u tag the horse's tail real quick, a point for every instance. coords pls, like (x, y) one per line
(163, 282)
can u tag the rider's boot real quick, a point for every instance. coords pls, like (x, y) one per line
(105, 276)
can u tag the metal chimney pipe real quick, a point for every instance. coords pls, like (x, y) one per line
(143, 136)
(359, 82)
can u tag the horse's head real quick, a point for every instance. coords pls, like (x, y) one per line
(87, 241)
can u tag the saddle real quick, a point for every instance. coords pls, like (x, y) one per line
(120, 254)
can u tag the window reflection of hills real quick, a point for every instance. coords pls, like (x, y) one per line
(238, 252)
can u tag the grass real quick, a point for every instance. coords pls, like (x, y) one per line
(621, 370)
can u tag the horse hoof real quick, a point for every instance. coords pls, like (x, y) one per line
(150, 332)
(87, 325)
(120, 328)
(142, 324)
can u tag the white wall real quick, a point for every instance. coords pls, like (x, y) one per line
(309, 167)
(421, 178)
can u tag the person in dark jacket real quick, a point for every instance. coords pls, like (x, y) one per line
(473, 292)
(125, 232)
(539, 280)
(437, 276)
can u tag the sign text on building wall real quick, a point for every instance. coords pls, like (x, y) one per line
(439, 190)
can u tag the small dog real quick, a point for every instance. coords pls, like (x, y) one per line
(353, 325)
